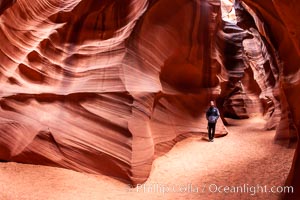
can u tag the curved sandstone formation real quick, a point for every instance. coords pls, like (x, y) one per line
(99, 86)
(277, 23)
(105, 86)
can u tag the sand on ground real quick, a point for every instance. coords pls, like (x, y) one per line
(238, 166)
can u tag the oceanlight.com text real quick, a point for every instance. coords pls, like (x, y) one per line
(211, 188)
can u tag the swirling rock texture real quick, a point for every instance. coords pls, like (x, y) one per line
(106, 86)
(277, 23)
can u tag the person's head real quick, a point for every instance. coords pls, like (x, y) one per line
(212, 103)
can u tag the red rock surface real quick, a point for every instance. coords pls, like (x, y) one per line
(277, 22)
(95, 86)
(105, 86)
(4, 4)
(248, 156)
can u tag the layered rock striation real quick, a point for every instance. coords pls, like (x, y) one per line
(98, 86)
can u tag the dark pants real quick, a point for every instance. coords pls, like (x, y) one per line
(211, 130)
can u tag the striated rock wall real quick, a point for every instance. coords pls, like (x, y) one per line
(97, 86)
(277, 23)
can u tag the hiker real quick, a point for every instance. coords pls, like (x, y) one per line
(212, 115)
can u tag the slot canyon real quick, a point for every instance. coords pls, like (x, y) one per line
(108, 87)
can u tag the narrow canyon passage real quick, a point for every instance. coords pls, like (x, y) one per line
(102, 87)
(246, 156)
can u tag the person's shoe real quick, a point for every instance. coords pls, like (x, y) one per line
(212, 140)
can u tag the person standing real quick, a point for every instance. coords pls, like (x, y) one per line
(212, 115)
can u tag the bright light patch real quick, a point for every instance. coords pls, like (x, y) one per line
(228, 11)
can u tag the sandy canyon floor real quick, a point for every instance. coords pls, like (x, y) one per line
(242, 161)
